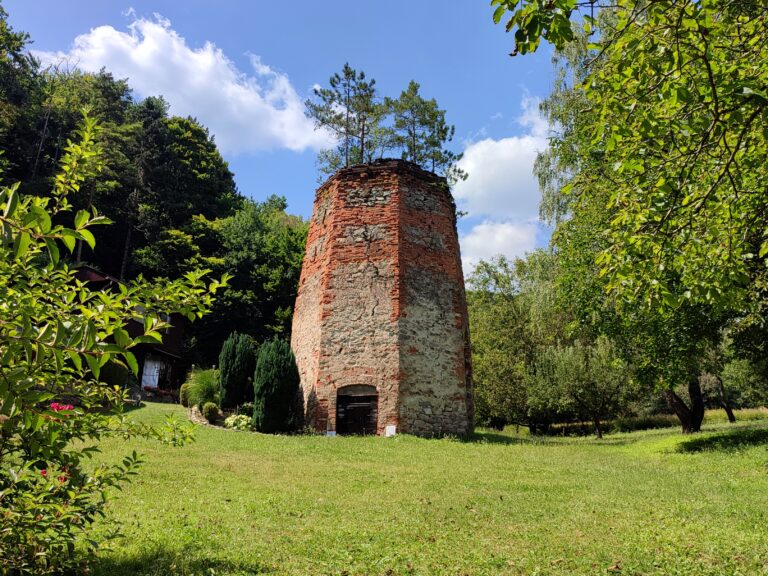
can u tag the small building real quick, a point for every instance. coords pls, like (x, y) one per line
(161, 370)
(380, 329)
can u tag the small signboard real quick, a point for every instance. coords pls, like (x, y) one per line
(390, 430)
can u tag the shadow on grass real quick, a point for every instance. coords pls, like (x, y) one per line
(162, 562)
(486, 437)
(130, 407)
(729, 441)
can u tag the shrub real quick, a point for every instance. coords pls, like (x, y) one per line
(633, 423)
(203, 387)
(245, 408)
(238, 422)
(278, 404)
(184, 394)
(237, 361)
(56, 335)
(211, 412)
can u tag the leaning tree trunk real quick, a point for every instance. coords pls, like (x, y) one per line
(724, 400)
(680, 409)
(598, 429)
(126, 252)
(690, 418)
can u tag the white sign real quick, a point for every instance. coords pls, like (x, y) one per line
(390, 430)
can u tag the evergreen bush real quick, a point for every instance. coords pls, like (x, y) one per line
(184, 394)
(237, 361)
(278, 404)
(211, 412)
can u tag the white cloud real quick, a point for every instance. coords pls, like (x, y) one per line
(245, 111)
(501, 181)
(502, 190)
(490, 238)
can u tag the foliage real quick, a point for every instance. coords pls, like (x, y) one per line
(746, 385)
(203, 387)
(278, 403)
(353, 112)
(420, 130)
(164, 184)
(56, 335)
(262, 247)
(666, 343)
(584, 379)
(498, 321)
(245, 408)
(680, 108)
(350, 110)
(184, 394)
(237, 361)
(238, 422)
(210, 412)
(515, 310)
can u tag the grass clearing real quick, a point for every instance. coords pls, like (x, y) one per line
(236, 503)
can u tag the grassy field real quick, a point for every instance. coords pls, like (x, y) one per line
(650, 502)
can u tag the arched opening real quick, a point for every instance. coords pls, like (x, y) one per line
(356, 409)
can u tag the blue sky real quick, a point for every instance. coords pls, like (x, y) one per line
(244, 68)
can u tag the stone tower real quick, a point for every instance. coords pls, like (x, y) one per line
(380, 325)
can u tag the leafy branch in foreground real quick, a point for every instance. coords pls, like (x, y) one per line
(55, 337)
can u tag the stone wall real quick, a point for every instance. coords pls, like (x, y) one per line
(381, 301)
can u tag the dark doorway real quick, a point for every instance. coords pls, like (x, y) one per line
(356, 410)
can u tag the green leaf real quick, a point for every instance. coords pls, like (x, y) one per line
(130, 359)
(69, 237)
(93, 364)
(21, 244)
(121, 337)
(13, 201)
(76, 359)
(53, 250)
(88, 237)
(81, 218)
(42, 217)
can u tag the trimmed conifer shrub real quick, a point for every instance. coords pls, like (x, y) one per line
(184, 394)
(278, 405)
(237, 362)
(210, 412)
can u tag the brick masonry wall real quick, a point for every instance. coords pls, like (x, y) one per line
(381, 301)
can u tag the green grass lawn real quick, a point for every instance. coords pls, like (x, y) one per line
(650, 502)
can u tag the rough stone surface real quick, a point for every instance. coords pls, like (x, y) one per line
(381, 301)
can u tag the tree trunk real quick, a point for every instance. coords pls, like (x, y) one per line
(126, 252)
(347, 130)
(680, 409)
(362, 142)
(697, 402)
(598, 429)
(724, 400)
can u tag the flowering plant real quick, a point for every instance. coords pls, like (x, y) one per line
(55, 336)
(238, 422)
